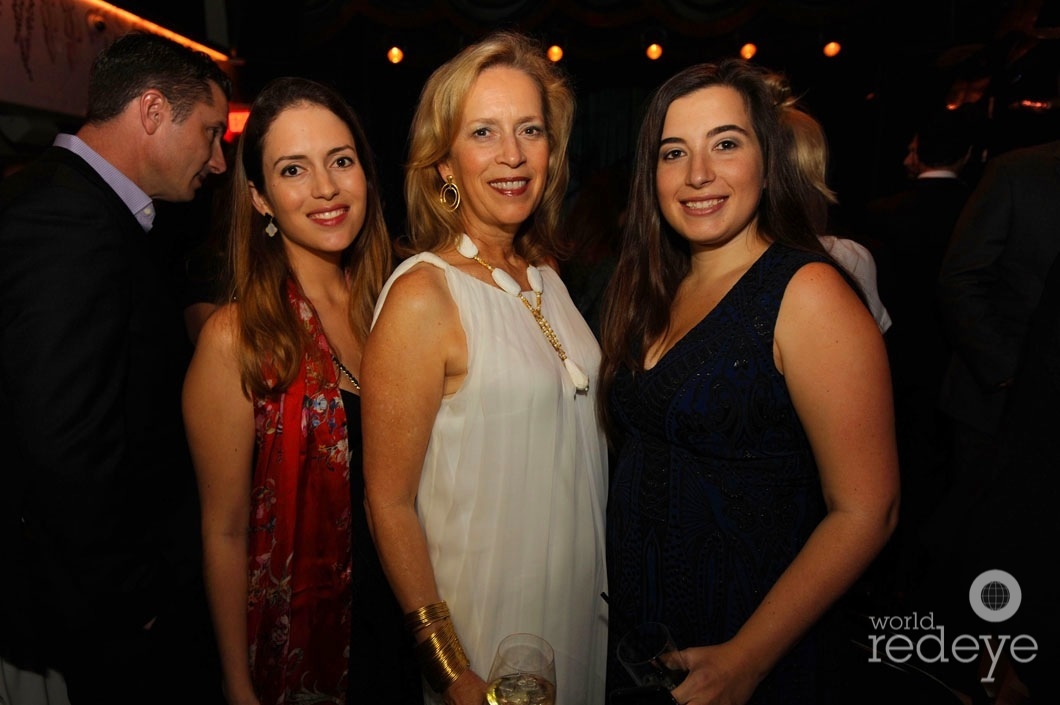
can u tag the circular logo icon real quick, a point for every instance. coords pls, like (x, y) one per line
(995, 595)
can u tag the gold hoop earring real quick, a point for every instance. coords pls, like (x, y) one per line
(270, 226)
(449, 196)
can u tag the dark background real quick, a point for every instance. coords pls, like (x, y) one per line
(899, 58)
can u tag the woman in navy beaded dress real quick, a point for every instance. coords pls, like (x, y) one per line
(747, 396)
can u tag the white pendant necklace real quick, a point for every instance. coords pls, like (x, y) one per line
(505, 281)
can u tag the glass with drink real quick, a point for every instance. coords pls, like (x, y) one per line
(523, 672)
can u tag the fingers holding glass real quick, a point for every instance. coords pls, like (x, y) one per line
(651, 657)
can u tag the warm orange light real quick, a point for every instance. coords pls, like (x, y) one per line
(748, 50)
(555, 53)
(148, 26)
(395, 55)
(831, 49)
(654, 51)
(1035, 105)
(237, 120)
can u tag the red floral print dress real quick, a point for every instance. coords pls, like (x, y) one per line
(298, 618)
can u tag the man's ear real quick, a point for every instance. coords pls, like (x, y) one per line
(154, 108)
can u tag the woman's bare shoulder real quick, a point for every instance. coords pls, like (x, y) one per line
(221, 330)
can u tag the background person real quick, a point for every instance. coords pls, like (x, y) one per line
(911, 229)
(484, 462)
(990, 281)
(748, 398)
(811, 156)
(98, 539)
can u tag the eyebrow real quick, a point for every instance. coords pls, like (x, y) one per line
(495, 121)
(333, 150)
(710, 133)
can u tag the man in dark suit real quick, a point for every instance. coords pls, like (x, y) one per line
(911, 230)
(1017, 521)
(991, 280)
(98, 514)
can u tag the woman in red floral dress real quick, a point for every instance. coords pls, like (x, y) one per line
(266, 397)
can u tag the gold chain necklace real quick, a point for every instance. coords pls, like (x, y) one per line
(505, 281)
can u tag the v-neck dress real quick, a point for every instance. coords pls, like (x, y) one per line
(511, 498)
(714, 488)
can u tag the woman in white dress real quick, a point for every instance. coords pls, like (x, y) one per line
(484, 465)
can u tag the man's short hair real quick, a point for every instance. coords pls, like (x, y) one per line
(945, 136)
(139, 61)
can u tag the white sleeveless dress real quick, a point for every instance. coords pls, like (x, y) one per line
(514, 485)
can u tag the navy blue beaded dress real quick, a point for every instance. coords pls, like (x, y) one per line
(714, 488)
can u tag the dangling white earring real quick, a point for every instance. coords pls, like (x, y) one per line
(270, 226)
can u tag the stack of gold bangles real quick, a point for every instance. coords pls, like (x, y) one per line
(440, 655)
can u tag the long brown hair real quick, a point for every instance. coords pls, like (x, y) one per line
(441, 104)
(271, 335)
(654, 258)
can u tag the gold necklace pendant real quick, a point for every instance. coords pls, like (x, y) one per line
(508, 284)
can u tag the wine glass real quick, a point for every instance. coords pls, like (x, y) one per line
(523, 672)
(651, 657)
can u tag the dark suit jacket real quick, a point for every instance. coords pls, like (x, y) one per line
(992, 277)
(98, 525)
(1018, 517)
(912, 230)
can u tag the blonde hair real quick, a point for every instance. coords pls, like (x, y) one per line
(811, 149)
(429, 225)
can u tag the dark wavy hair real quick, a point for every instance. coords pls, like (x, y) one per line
(654, 258)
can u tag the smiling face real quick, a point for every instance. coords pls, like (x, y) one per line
(710, 171)
(499, 158)
(190, 150)
(314, 186)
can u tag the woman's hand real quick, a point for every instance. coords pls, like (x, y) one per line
(717, 675)
(468, 689)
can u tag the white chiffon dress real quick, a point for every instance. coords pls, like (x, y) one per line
(514, 485)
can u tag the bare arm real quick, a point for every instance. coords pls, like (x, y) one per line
(220, 427)
(415, 354)
(834, 362)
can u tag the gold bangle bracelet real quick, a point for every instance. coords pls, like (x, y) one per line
(441, 657)
(426, 616)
